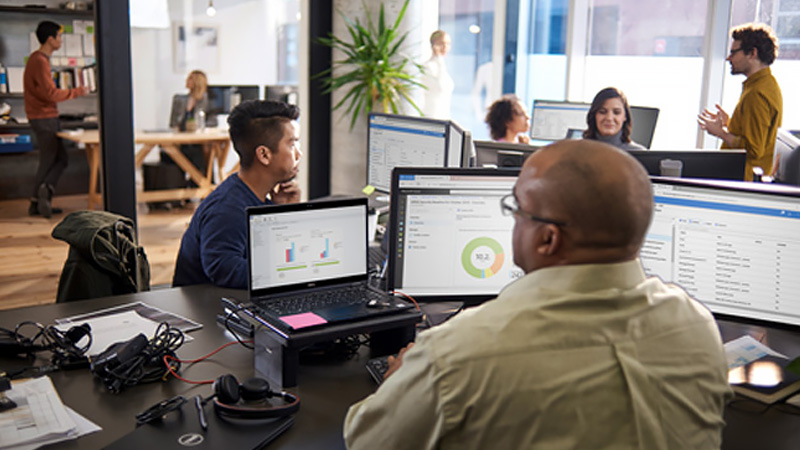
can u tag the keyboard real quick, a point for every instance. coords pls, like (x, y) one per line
(301, 303)
(377, 368)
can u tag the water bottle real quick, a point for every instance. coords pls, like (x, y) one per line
(201, 121)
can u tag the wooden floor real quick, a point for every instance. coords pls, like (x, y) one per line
(31, 260)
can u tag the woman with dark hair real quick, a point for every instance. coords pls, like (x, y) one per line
(609, 120)
(508, 120)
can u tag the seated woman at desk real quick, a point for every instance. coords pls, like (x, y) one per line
(508, 120)
(187, 108)
(609, 120)
(190, 113)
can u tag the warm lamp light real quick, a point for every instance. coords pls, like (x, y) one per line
(211, 11)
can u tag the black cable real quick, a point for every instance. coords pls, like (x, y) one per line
(232, 331)
(146, 366)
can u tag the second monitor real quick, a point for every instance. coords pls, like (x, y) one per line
(403, 141)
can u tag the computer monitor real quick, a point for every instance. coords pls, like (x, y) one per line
(644, 121)
(282, 92)
(456, 145)
(501, 154)
(222, 99)
(731, 245)
(787, 157)
(403, 141)
(552, 120)
(716, 164)
(448, 237)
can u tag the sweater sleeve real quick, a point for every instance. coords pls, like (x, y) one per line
(41, 85)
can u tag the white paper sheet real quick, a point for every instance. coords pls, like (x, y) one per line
(746, 349)
(39, 415)
(120, 327)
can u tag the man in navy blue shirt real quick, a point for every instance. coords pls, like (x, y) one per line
(214, 247)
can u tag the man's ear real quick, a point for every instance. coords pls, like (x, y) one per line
(548, 241)
(263, 155)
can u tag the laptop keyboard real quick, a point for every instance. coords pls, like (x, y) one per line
(309, 301)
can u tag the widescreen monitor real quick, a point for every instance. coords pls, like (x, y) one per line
(552, 120)
(222, 99)
(644, 124)
(715, 164)
(403, 141)
(286, 93)
(448, 237)
(501, 154)
(733, 246)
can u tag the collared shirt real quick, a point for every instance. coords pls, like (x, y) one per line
(571, 357)
(756, 120)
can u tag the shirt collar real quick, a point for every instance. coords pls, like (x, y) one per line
(763, 73)
(582, 277)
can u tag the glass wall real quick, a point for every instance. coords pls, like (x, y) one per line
(470, 24)
(652, 51)
(542, 67)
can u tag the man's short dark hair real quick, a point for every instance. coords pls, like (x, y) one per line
(757, 36)
(47, 29)
(258, 122)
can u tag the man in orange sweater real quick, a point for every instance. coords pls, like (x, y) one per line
(41, 96)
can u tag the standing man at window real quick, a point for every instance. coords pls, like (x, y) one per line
(41, 96)
(755, 121)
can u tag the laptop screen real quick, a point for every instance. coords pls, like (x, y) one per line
(449, 238)
(307, 244)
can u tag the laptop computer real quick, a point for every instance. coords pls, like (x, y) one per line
(308, 264)
(182, 430)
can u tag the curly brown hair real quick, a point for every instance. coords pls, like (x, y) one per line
(757, 36)
(500, 114)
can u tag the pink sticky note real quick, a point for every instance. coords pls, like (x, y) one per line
(303, 320)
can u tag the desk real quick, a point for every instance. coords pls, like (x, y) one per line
(326, 389)
(216, 143)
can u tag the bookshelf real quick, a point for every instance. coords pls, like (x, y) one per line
(17, 22)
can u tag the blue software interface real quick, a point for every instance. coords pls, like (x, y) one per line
(736, 251)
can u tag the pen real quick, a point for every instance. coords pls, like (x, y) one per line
(201, 413)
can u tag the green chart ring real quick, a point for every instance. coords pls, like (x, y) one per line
(466, 257)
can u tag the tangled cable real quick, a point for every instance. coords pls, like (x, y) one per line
(138, 360)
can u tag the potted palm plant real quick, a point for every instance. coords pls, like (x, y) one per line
(375, 72)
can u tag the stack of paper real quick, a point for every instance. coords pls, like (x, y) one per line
(39, 418)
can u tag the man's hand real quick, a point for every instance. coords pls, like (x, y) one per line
(713, 123)
(287, 192)
(523, 139)
(396, 362)
(83, 90)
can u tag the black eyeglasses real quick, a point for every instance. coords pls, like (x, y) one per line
(734, 50)
(509, 206)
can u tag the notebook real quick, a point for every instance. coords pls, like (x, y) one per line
(180, 430)
(312, 250)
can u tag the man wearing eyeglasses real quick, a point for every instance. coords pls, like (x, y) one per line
(584, 351)
(758, 115)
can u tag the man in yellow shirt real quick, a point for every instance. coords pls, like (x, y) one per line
(755, 121)
(583, 352)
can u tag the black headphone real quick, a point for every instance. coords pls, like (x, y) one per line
(247, 400)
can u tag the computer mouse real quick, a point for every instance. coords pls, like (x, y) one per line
(374, 304)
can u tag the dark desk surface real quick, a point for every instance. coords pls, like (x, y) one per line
(326, 389)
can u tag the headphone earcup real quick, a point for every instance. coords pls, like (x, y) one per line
(226, 389)
(254, 389)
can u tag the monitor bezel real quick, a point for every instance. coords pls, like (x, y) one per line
(744, 187)
(739, 155)
(498, 147)
(467, 300)
(445, 123)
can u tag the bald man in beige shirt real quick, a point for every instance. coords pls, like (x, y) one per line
(583, 352)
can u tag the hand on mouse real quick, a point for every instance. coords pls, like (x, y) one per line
(396, 361)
